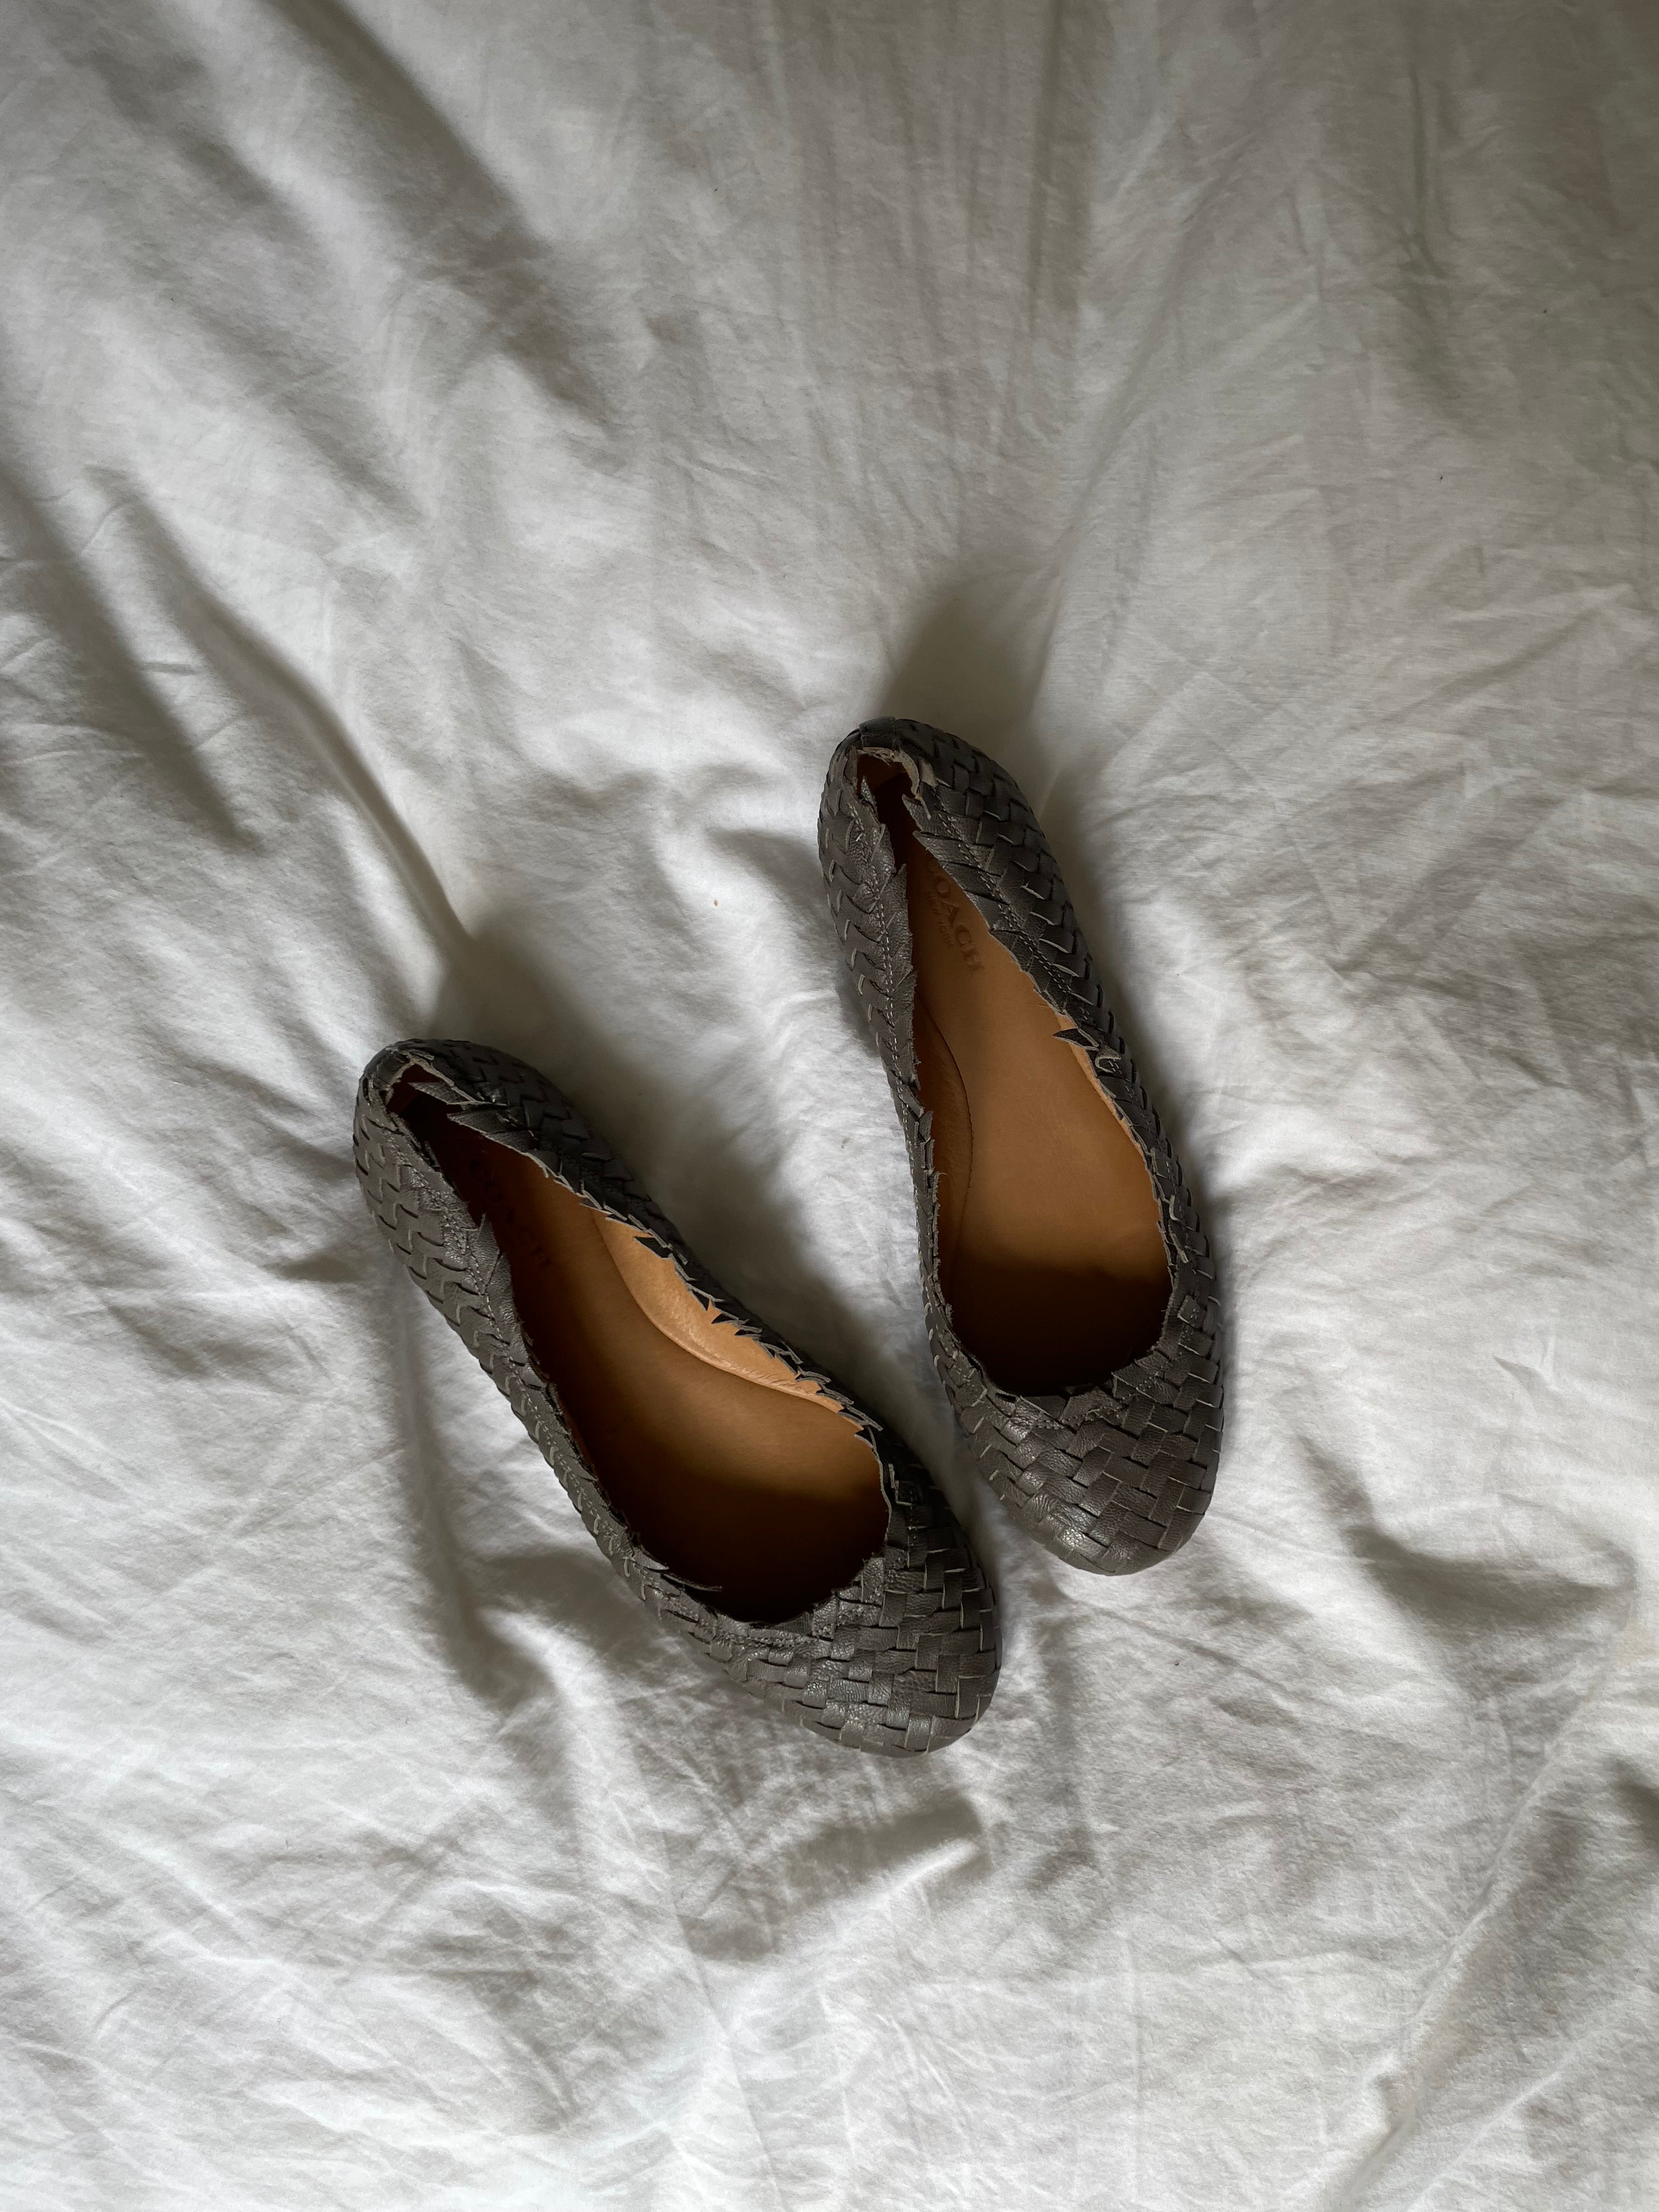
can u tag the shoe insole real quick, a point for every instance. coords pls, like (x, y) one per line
(731, 1469)
(1051, 1257)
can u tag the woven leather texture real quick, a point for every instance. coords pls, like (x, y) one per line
(1112, 1478)
(903, 1660)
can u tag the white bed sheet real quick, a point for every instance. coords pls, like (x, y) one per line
(466, 464)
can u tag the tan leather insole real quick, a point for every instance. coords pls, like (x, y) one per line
(1050, 1254)
(728, 1468)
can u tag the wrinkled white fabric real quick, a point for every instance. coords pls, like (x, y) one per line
(465, 466)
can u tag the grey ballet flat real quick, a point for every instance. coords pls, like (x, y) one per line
(1069, 1296)
(742, 1496)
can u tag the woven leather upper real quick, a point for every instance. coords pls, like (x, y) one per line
(1116, 1476)
(902, 1660)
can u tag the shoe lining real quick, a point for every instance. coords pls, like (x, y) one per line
(1051, 1254)
(735, 1473)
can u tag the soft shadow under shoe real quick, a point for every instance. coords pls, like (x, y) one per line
(748, 1501)
(1069, 1296)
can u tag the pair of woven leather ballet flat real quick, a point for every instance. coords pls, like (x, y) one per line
(746, 1497)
